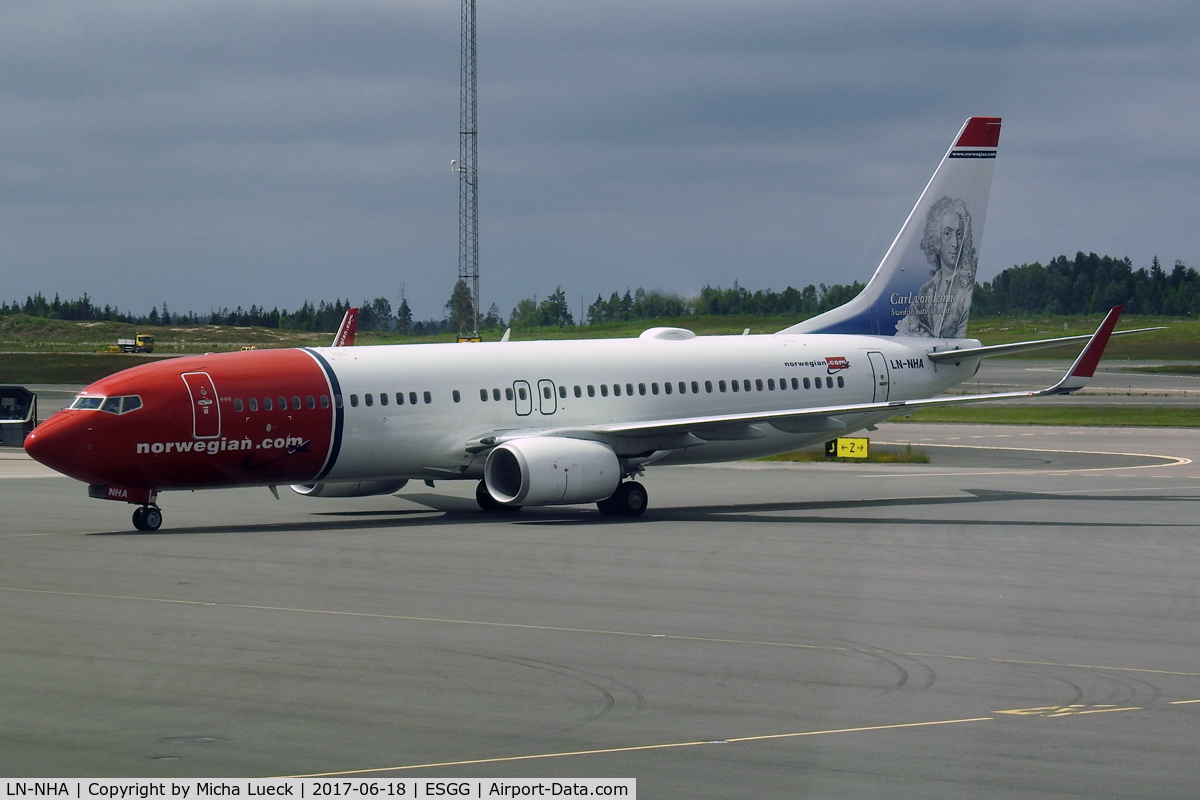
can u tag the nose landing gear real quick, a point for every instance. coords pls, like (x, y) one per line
(147, 518)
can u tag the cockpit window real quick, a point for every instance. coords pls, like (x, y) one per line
(113, 405)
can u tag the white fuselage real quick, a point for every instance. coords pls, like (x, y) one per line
(553, 385)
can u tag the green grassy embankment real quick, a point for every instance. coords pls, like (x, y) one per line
(1137, 416)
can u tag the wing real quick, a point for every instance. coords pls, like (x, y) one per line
(682, 431)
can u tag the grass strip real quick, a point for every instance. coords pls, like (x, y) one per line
(69, 368)
(1135, 416)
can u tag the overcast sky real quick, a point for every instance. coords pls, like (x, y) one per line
(222, 153)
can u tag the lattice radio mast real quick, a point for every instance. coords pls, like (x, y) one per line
(468, 190)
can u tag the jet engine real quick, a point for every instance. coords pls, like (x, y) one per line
(546, 470)
(350, 488)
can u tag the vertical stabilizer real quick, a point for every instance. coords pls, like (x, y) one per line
(924, 284)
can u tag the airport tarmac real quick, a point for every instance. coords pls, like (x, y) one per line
(1020, 617)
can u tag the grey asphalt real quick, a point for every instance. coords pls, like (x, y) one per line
(1018, 618)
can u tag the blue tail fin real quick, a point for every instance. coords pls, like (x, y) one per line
(924, 284)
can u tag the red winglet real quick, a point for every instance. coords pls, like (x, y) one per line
(1085, 365)
(980, 132)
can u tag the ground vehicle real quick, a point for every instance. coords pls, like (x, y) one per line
(143, 343)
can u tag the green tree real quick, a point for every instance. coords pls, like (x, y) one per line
(460, 310)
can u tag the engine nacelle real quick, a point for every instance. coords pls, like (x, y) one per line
(350, 488)
(546, 470)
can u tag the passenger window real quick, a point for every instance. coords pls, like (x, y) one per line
(521, 392)
(771, 384)
(708, 387)
(696, 388)
(457, 397)
(562, 392)
(746, 384)
(546, 393)
(578, 390)
(253, 404)
(629, 389)
(734, 385)
(399, 398)
(383, 398)
(237, 404)
(412, 398)
(337, 400)
(310, 401)
(783, 383)
(667, 387)
(268, 407)
(483, 395)
(283, 404)
(816, 382)
(721, 385)
(641, 388)
(324, 401)
(828, 383)
(370, 398)
(841, 382)
(604, 390)
(353, 401)
(616, 390)
(654, 388)
(496, 395)
(112, 405)
(428, 398)
(507, 394)
(296, 402)
(757, 384)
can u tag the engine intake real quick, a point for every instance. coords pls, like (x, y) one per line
(547, 470)
(350, 488)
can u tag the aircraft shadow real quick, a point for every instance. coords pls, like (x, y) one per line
(442, 511)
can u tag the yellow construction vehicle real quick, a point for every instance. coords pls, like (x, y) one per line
(142, 343)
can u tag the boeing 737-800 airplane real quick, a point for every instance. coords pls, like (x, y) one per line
(556, 422)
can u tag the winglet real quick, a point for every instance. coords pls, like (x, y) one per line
(1085, 366)
(345, 332)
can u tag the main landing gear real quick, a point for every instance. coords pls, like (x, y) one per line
(629, 500)
(147, 518)
(488, 503)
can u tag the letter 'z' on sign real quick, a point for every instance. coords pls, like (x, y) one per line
(848, 447)
(206, 412)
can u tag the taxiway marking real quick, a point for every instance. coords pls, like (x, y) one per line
(637, 748)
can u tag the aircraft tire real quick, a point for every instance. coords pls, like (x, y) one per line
(152, 519)
(630, 499)
(484, 498)
(608, 507)
(488, 503)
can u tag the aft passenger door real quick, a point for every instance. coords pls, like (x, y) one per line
(882, 381)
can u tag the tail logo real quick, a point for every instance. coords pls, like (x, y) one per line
(941, 307)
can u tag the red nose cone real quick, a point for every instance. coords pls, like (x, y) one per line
(61, 444)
